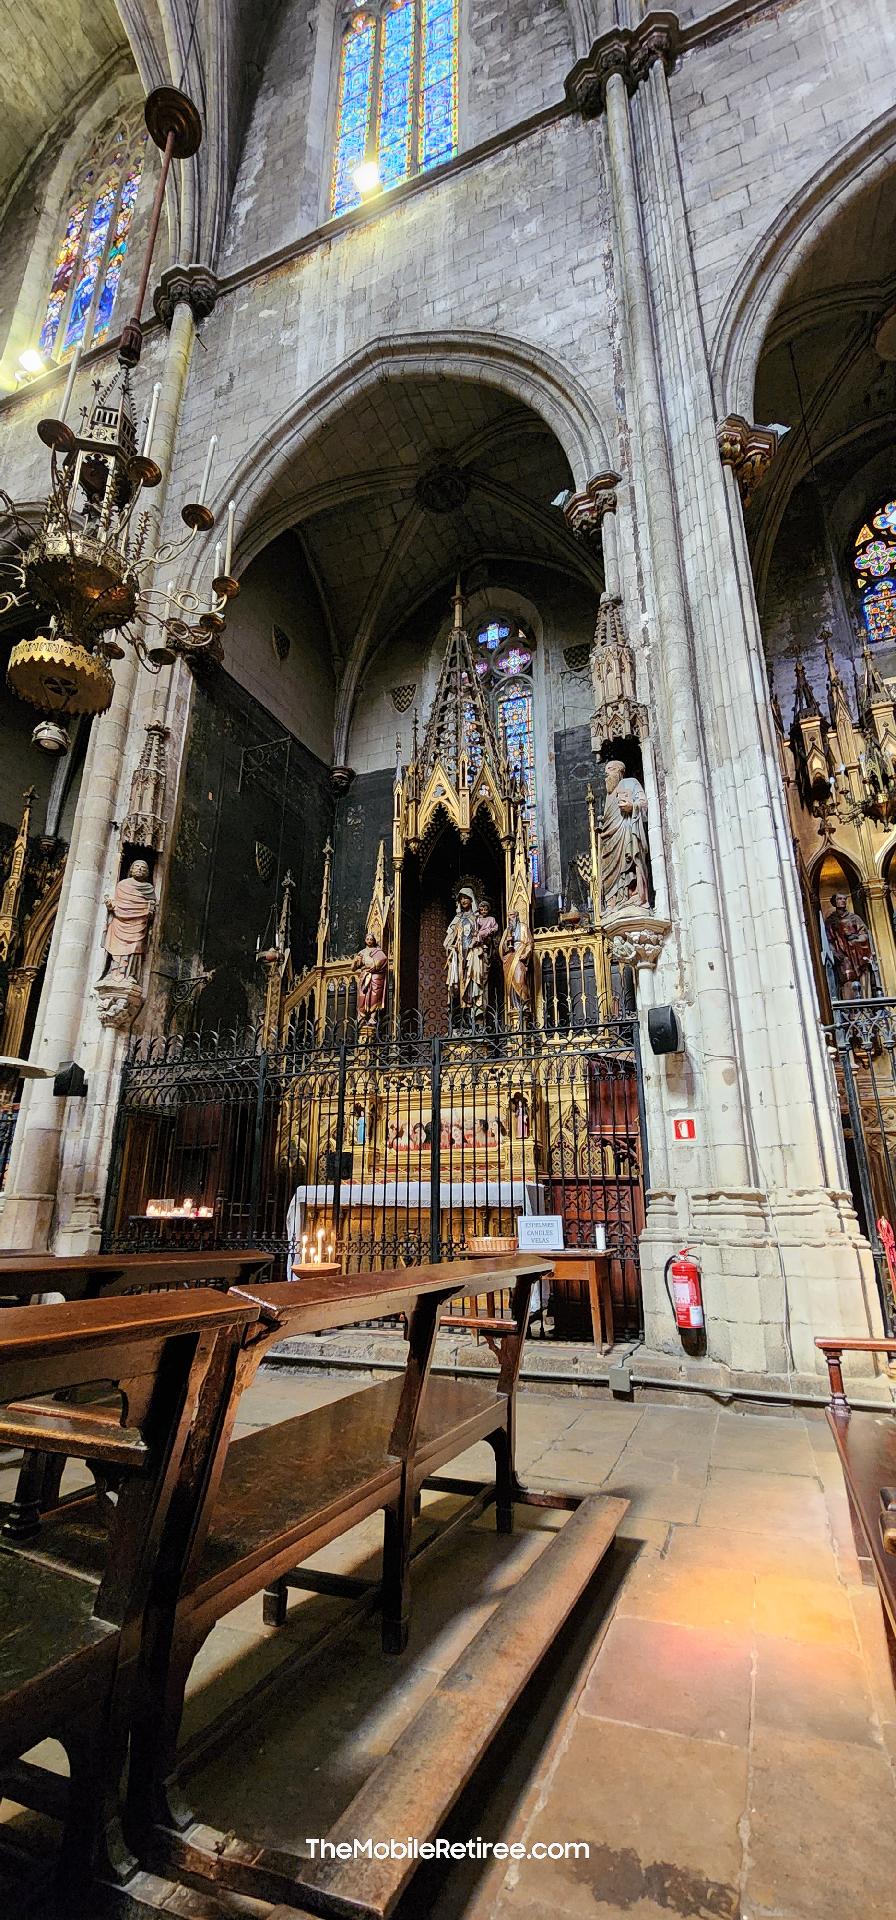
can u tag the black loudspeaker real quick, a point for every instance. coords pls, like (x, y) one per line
(70, 1083)
(663, 1030)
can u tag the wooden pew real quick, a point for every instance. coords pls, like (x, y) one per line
(70, 1649)
(276, 1496)
(101, 1276)
(866, 1444)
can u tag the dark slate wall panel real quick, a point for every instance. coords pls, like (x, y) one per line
(232, 840)
(363, 819)
(576, 764)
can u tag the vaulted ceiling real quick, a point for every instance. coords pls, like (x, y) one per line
(49, 57)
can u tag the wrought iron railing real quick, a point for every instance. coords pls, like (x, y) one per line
(864, 1035)
(401, 1150)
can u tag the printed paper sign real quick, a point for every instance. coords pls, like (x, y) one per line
(540, 1232)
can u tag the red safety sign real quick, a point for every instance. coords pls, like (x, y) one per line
(684, 1129)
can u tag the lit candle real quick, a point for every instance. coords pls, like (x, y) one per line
(330, 1252)
(150, 424)
(208, 468)
(304, 1249)
(228, 553)
(66, 398)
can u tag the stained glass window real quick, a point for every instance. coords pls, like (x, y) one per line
(90, 257)
(504, 656)
(875, 566)
(397, 94)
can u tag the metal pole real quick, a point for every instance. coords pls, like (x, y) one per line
(435, 1154)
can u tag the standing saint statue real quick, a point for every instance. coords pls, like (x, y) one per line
(852, 950)
(458, 945)
(372, 965)
(481, 953)
(516, 952)
(131, 907)
(625, 859)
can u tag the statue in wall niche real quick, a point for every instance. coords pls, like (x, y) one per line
(131, 908)
(458, 944)
(624, 854)
(852, 950)
(371, 965)
(516, 953)
(481, 953)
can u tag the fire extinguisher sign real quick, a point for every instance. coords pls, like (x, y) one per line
(684, 1129)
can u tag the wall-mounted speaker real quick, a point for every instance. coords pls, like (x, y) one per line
(663, 1030)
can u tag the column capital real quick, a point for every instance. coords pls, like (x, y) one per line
(194, 286)
(748, 450)
(628, 51)
(584, 512)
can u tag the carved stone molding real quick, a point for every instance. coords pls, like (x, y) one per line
(630, 52)
(144, 824)
(119, 1001)
(584, 512)
(637, 939)
(194, 286)
(748, 450)
(618, 713)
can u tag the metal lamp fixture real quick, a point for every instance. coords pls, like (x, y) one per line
(86, 568)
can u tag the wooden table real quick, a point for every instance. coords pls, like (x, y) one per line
(575, 1268)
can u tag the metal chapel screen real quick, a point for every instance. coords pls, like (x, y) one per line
(397, 99)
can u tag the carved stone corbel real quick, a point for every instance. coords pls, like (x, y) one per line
(748, 450)
(584, 512)
(119, 1001)
(637, 939)
(630, 52)
(194, 286)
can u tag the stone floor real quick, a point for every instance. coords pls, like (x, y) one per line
(717, 1722)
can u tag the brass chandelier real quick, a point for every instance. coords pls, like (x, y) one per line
(86, 569)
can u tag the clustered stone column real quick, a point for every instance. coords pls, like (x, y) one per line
(760, 1191)
(57, 1169)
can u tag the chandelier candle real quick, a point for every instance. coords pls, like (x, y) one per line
(72, 373)
(150, 424)
(208, 470)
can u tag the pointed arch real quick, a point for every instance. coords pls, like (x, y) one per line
(773, 262)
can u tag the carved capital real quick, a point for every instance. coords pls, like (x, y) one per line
(630, 52)
(584, 512)
(193, 286)
(747, 450)
(119, 1000)
(341, 779)
(637, 939)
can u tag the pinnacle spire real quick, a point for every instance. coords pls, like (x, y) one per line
(459, 725)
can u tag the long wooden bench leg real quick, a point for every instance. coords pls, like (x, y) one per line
(23, 1520)
(502, 1449)
(273, 1603)
(93, 1840)
(396, 1602)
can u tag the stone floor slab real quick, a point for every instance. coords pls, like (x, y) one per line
(680, 1679)
(819, 1689)
(819, 1812)
(770, 1503)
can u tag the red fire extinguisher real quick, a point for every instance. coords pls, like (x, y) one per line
(685, 1291)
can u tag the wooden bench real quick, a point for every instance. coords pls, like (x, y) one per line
(70, 1649)
(101, 1276)
(866, 1444)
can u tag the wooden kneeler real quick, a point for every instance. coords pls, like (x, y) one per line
(416, 1785)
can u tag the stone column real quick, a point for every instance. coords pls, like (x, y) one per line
(761, 1192)
(57, 1168)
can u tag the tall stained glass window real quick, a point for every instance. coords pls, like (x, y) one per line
(397, 99)
(503, 656)
(875, 569)
(90, 256)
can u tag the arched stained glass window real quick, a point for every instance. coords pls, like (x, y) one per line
(397, 100)
(503, 657)
(87, 268)
(875, 570)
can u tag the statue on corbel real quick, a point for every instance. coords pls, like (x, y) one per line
(131, 905)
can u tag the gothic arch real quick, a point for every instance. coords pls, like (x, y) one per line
(763, 279)
(530, 375)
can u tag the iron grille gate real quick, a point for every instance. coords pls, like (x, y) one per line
(393, 1152)
(865, 1038)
